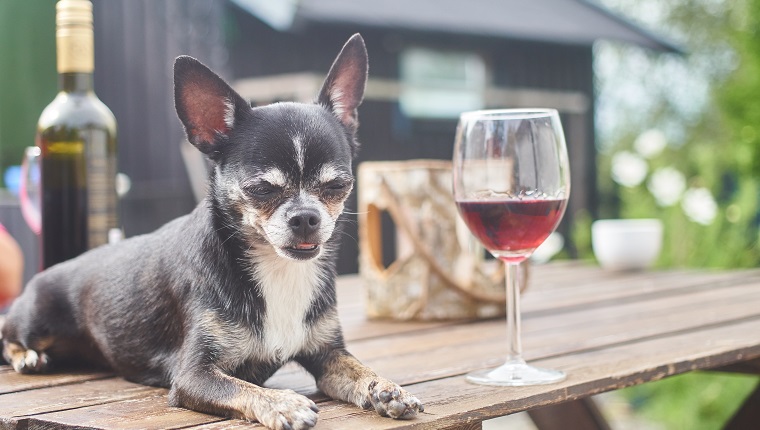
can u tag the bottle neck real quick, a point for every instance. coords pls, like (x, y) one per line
(75, 82)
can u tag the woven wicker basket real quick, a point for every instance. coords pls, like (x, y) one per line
(440, 271)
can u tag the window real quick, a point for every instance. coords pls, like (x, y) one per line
(441, 84)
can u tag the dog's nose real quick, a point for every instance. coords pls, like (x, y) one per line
(305, 222)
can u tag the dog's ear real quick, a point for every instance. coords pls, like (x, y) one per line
(206, 105)
(343, 89)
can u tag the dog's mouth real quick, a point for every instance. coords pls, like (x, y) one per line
(305, 247)
(303, 251)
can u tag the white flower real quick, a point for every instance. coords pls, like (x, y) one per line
(628, 169)
(667, 186)
(699, 205)
(650, 143)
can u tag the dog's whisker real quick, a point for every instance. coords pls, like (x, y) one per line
(344, 234)
(230, 237)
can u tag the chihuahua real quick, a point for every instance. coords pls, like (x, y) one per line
(213, 303)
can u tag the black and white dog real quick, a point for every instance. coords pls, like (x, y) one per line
(213, 303)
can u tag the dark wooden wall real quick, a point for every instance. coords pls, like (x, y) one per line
(136, 42)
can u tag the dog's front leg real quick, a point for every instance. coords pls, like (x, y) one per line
(208, 389)
(341, 376)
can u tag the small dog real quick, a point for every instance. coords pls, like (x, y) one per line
(213, 303)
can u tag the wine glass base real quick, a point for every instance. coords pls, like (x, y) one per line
(515, 374)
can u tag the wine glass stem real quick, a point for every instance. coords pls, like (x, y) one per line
(514, 354)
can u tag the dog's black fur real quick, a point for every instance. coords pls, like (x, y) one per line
(207, 304)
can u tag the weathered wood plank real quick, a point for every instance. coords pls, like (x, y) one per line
(573, 292)
(16, 406)
(11, 382)
(566, 288)
(695, 307)
(357, 327)
(750, 367)
(452, 400)
(74, 395)
(147, 412)
(600, 336)
(457, 349)
(230, 425)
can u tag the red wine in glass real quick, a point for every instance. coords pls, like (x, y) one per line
(512, 228)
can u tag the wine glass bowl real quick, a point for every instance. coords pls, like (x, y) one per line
(511, 182)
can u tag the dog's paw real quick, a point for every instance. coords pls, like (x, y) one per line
(390, 400)
(25, 360)
(286, 410)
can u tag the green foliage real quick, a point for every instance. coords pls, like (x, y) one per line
(27, 73)
(715, 145)
(693, 401)
(740, 95)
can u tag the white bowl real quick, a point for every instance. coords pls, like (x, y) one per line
(626, 244)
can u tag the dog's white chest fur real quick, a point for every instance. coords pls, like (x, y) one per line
(288, 288)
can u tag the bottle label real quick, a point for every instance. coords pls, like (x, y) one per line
(101, 189)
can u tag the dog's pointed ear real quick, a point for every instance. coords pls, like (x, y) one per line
(206, 105)
(343, 89)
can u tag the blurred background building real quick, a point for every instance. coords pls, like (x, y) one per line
(429, 60)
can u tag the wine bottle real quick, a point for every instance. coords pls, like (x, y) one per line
(76, 134)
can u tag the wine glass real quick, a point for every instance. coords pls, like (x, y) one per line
(511, 183)
(30, 194)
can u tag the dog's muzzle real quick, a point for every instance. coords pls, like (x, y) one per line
(304, 227)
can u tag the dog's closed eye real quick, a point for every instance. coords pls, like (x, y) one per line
(263, 190)
(336, 185)
(335, 188)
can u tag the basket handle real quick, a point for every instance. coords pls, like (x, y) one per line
(394, 210)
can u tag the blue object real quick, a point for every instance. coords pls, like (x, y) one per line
(12, 179)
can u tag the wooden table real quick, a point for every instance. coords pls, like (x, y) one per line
(606, 330)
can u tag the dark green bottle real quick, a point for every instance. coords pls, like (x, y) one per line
(76, 134)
